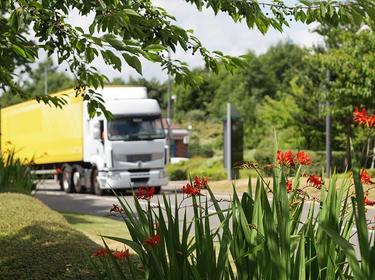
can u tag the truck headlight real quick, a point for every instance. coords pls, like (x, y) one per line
(162, 173)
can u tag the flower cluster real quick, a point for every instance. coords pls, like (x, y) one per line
(121, 255)
(285, 158)
(195, 189)
(289, 186)
(369, 202)
(315, 181)
(365, 177)
(153, 240)
(361, 118)
(103, 252)
(289, 159)
(200, 183)
(116, 209)
(145, 193)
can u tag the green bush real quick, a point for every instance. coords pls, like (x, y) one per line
(38, 243)
(15, 175)
(211, 168)
(197, 149)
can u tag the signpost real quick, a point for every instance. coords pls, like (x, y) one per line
(233, 141)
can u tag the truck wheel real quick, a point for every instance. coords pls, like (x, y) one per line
(157, 189)
(77, 178)
(67, 179)
(95, 187)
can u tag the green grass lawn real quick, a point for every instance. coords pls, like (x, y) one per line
(94, 226)
(38, 243)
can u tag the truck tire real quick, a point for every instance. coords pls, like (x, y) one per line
(157, 189)
(95, 187)
(78, 178)
(66, 179)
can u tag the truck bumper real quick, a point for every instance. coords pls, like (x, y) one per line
(119, 179)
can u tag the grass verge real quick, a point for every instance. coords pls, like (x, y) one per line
(225, 186)
(38, 243)
(94, 226)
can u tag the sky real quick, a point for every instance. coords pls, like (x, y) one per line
(216, 33)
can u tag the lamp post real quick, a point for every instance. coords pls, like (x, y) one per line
(169, 119)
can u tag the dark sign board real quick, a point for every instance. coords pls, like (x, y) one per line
(233, 141)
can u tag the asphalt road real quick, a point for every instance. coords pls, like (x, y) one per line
(49, 193)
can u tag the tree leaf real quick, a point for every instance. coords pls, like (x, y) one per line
(134, 62)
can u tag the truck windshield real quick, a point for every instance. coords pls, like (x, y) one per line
(135, 128)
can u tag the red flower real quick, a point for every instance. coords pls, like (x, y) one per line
(153, 240)
(190, 190)
(361, 117)
(369, 202)
(200, 183)
(145, 193)
(116, 209)
(101, 252)
(285, 158)
(303, 158)
(58, 170)
(316, 181)
(365, 177)
(121, 255)
(289, 186)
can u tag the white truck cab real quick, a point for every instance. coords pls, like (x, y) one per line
(127, 151)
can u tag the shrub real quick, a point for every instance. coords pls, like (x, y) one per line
(257, 238)
(37, 243)
(211, 168)
(197, 149)
(15, 175)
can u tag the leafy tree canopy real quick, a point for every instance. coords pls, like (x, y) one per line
(125, 31)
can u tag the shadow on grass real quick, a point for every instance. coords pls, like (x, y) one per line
(45, 251)
(72, 218)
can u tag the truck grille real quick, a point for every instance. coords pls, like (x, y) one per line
(139, 180)
(141, 157)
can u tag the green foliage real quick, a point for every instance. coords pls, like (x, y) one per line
(212, 168)
(246, 89)
(286, 89)
(351, 83)
(197, 149)
(15, 175)
(136, 30)
(38, 243)
(256, 238)
(34, 87)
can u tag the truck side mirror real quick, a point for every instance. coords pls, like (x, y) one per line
(98, 131)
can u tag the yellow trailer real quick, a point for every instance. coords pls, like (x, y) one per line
(90, 153)
(43, 133)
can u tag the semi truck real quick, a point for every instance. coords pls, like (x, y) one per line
(90, 154)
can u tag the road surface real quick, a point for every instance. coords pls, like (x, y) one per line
(49, 193)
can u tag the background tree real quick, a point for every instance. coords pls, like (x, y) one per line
(134, 29)
(350, 61)
(34, 85)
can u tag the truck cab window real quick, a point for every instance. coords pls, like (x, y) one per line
(101, 129)
(135, 128)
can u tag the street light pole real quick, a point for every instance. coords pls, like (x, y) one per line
(328, 130)
(169, 119)
(46, 78)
